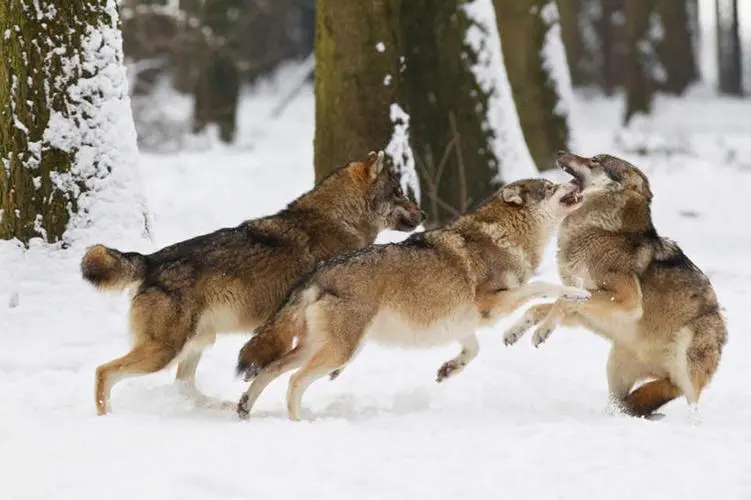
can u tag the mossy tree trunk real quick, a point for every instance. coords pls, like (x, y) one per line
(524, 25)
(52, 95)
(383, 61)
(448, 109)
(641, 59)
(217, 88)
(356, 79)
(676, 48)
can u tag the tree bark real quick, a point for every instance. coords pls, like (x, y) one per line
(448, 109)
(613, 37)
(523, 30)
(375, 58)
(728, 48)
(217, 88)
(640, 85)
(356, 78)
(676, 48)
(60, 75)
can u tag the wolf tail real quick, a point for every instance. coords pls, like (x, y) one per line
(276, 337)
(109, 269)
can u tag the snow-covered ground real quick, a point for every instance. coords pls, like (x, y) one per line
(518, 423)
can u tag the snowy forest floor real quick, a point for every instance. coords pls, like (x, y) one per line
(518, 423)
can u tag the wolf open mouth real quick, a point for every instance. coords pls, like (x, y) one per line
(572, 198)
(578, 178)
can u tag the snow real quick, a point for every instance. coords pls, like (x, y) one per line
(95, 124)
(400, 151)
(554, 63)
(508, 142)
(518, 423)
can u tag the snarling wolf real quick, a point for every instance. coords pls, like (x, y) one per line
(434, 288)
(233, 279)
(655, 305)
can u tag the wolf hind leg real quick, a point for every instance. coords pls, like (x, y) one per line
(293, 359)
(146, 357)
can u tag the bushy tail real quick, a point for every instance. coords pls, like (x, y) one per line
(108, 269)
(276, 336)
(648, 398)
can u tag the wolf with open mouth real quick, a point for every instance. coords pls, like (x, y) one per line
(655, 305)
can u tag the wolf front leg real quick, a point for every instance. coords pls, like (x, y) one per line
(619, 294)
(452, 367)
(496, 304)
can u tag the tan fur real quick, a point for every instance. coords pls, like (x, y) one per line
(434, 288)
(656, 306)
(232, 280)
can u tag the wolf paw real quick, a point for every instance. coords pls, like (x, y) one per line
(516, 331)
(448, 369)
(541, 334)
(242, 407)
(574, 294)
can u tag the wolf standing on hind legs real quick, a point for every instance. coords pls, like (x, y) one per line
(656, 306)
(233, 279)
(434, 288)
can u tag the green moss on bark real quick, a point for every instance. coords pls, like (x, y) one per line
(37, 40)
(356, 79)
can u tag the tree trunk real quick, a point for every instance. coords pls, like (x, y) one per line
(217, 88)
(676, 48)
(524, 26)
(612, 34)
(728, 48)
(66, 123)
(356, 78)
(641, 59)
(451, 139)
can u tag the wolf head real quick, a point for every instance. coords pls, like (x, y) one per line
(384, 194)
(558, 200)
(604, 173)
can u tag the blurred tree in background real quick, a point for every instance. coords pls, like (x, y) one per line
(415, 54)
(728, 47)
(524, 26)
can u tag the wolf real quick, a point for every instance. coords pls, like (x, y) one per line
(434, 288)
(233, 279)
(655, 305)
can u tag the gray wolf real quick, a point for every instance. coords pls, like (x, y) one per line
(233, 279)
(434, 288)
(647, 297)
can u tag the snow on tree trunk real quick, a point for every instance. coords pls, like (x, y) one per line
(452, 135)
(540, 80)
(515, 161)
(67, 139)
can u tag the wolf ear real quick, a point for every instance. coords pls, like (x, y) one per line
(512, 195)
(375, 164)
